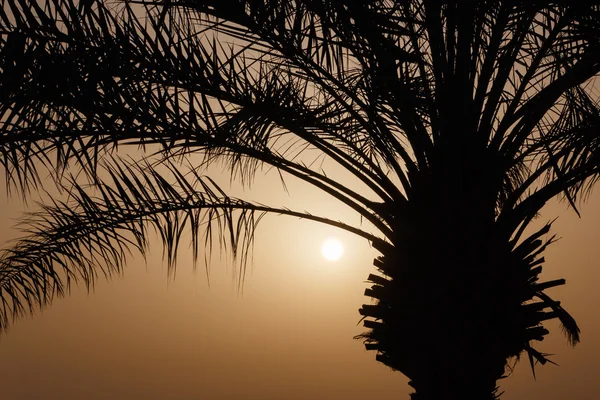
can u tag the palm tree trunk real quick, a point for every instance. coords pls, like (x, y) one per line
(451, 306)
(436, 341)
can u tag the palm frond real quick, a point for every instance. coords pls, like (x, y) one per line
(567, 322)
(91, 234)
(179, 81)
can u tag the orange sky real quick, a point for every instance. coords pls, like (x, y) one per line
(289, 335)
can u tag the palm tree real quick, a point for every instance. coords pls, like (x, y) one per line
(460, 119)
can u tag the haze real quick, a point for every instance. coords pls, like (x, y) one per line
(289, 335)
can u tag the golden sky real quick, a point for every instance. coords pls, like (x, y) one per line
(289, 336)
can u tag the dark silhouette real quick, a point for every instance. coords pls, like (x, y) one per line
(460, 118)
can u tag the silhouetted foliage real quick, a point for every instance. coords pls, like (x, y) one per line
(460, 118)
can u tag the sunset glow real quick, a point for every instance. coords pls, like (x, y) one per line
(332, 249)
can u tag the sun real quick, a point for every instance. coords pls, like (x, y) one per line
(332, 249)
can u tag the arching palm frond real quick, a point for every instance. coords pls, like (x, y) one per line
(169, 87)
(77, 240)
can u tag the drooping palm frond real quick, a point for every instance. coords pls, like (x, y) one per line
(369, 85)
(177, 81)
(91, 234)
(574, 139)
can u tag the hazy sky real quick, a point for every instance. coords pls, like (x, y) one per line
(289, 336)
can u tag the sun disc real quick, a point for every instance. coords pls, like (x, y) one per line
(332, 249)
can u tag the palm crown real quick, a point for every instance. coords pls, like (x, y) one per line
(460, 119)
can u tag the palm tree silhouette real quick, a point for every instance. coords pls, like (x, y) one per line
(460, 119)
